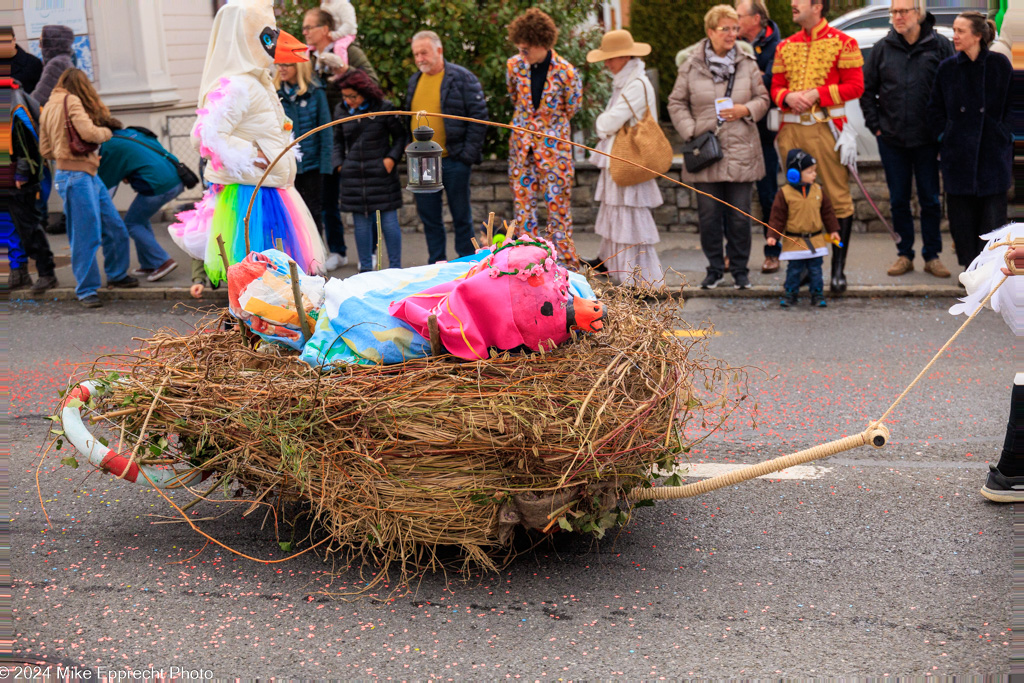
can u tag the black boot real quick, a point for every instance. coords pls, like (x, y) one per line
(838, 284)
(19, 279)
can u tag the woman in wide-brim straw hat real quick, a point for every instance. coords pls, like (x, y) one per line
(624, 220)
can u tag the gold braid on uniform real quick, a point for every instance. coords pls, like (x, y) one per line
(850, 57)
(808, 64)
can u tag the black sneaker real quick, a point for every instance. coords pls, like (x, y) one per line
(818, 299)
(788, 300)
(1002, 489)
(91, 301)
(127, 282)
(741, 281)
(711, 280)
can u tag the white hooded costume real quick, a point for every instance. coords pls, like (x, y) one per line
(239, 117)
(1005, 482)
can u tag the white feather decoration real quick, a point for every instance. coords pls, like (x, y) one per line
(985, 273)
(225, 100)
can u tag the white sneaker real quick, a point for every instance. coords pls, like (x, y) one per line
(373, 260)
(333, 261)
(342, 260)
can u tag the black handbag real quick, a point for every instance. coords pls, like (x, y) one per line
(704, 150)
(185, 174)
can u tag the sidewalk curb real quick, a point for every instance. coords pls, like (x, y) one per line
(181, 294)
(852, 292)
(140, 294)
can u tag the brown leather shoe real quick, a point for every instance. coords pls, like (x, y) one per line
(902, 266)
(771, 265)
(936, 268)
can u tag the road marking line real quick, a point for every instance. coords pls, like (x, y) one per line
(692, 333)
(704, 470)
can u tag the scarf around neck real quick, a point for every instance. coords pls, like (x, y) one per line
(633, 69)
(721, 67)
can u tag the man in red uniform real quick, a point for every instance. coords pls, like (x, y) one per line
(815, 73)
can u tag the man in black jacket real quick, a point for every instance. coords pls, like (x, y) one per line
(447, 88)
(24, 67)
(898, 78)
(757, 28)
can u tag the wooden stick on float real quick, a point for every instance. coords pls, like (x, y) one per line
(293, 270)
(223, 253)
(380, 243)
(435, 336)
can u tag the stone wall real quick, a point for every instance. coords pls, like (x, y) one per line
(491, 192)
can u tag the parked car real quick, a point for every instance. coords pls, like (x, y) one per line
(877, 16)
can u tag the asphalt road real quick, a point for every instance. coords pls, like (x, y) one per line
(884, 563)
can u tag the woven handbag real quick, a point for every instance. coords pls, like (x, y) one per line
(644, 143)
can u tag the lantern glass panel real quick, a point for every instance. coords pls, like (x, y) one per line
(430, 170)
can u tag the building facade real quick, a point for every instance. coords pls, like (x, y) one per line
(145, 56)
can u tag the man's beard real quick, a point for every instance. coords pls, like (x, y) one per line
(424, 69)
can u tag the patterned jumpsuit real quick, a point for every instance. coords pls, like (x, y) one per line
(535, 163)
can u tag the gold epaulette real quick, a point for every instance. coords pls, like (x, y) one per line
(850, 57)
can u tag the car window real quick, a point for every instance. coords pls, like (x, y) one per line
(869, 22)
(865, 52)
(944, 19)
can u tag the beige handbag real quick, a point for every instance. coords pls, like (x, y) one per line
(644, 143)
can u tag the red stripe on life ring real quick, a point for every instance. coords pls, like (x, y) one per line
(80, 392)
(115, 464)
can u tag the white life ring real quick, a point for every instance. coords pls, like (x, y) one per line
(111, 461)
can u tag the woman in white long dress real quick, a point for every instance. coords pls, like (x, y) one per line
(624, 220)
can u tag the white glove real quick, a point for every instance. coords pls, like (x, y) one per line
(846, 144)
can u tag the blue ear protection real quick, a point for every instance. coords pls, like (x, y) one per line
(793, 176)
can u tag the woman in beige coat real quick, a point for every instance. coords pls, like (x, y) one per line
(703, 79)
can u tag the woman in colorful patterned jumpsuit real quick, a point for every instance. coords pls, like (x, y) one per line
(546, 93)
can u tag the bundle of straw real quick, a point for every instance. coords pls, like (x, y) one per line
(397, 461)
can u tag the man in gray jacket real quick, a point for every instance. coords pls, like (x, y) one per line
(898, 78)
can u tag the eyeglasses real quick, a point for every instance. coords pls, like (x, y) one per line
(350, 98)
(901, 12)
(728, 29)
(524, 50)
(310, 28)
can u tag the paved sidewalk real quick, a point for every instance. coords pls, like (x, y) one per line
(870, 255)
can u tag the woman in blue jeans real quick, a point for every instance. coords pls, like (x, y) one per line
(366, 153)
(91, 217)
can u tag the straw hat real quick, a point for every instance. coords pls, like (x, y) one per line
(618, 44)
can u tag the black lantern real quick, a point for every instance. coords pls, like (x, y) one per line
(424, 162)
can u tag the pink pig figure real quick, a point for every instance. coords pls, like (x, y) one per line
(514, 300)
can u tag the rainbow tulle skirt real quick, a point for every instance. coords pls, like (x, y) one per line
(277, 214)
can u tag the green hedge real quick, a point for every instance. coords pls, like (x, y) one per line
(669, 26)
(475, 35)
